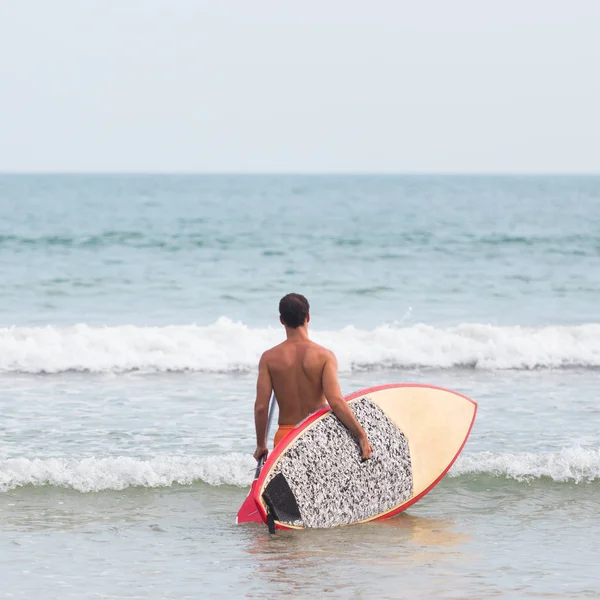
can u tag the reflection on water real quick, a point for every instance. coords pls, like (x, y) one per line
(327, 560)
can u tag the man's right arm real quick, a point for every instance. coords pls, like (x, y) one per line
(264, 387)
(333, 393)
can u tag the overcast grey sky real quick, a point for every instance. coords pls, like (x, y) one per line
(305, 86)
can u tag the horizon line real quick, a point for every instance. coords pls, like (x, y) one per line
(311, 173)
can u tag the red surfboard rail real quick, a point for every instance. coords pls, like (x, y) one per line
(294, 433)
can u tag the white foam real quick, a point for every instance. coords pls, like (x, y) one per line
(228, 346)
(573, 464)
(569, 464)
(97, 474)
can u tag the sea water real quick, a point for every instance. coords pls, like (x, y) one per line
(134, 310)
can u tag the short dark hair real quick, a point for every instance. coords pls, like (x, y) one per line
(293, 309)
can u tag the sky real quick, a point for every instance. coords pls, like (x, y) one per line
(327, 86)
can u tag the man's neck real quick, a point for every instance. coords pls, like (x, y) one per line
(299, 334)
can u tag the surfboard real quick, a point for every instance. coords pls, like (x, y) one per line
(315, 476)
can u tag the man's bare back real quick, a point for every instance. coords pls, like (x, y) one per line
(303, 376)
(296, 369)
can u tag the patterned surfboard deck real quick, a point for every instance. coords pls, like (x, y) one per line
(316, 477)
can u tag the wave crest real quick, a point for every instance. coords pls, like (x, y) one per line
(573, 464)
(98, 474)
(228, 346)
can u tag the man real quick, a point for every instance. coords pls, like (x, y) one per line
(303, 376)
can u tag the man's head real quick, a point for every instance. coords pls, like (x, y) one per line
(294, 310)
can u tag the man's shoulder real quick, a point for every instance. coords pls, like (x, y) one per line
(271, 352)
(321, 351)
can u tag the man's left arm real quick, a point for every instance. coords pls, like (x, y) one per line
(264, 387)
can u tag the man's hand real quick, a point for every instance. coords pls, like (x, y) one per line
(365, 448)
(262, 450)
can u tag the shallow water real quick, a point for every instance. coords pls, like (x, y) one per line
(478, 537)
(134, 311)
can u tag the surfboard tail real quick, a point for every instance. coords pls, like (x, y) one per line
(249, 512)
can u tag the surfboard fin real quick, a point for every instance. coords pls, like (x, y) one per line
(271, 523)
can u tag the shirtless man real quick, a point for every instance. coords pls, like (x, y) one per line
(303, 376)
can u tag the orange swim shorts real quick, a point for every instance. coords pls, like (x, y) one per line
(281, 433)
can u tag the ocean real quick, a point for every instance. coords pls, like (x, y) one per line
(134, 309)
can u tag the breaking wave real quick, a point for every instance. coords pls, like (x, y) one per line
(98, 474)
(574, 464)
(569, 465)
(228, 346)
